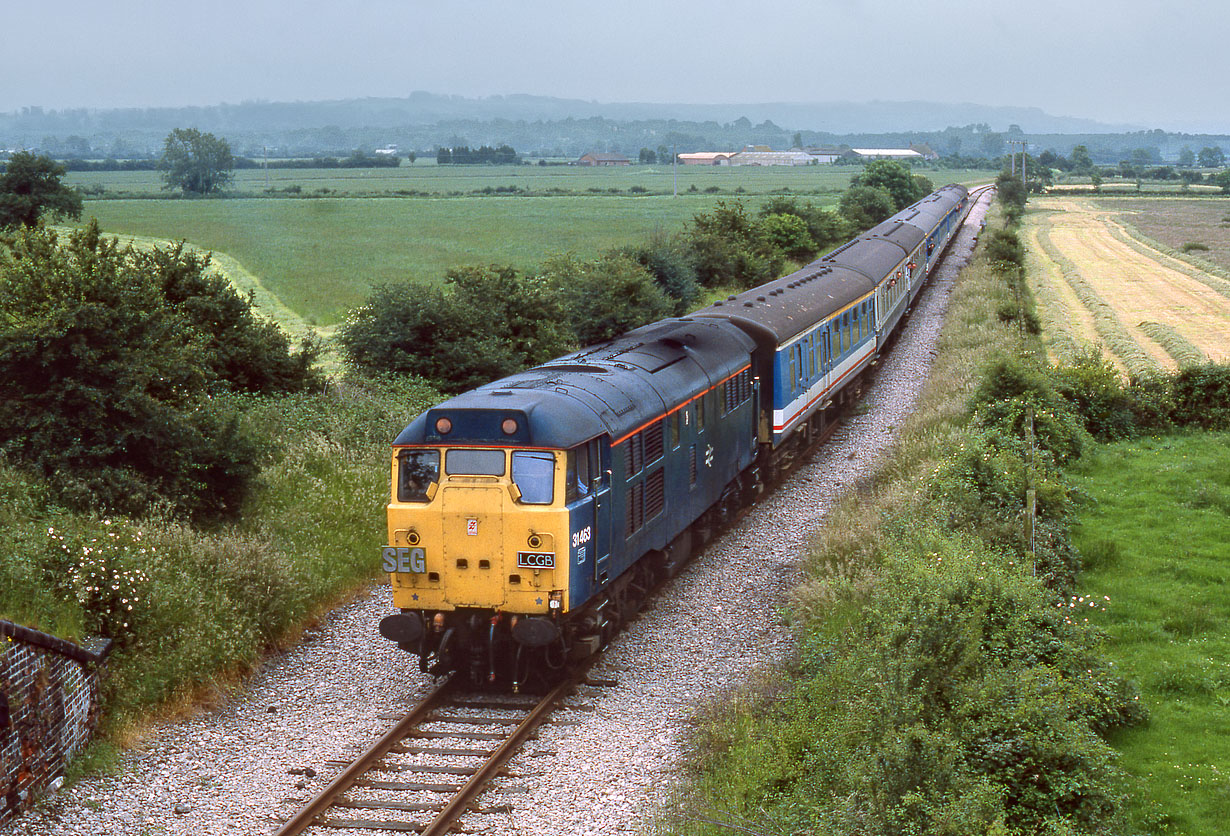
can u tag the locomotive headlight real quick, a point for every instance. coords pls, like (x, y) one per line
(509, 426)
(444, 426)
(412, 537)
(535, 542)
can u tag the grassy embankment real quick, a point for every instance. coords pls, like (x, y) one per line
(947, 680)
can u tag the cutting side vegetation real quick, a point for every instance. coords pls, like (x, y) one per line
(950, 678)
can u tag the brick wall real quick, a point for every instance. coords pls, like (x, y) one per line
(48, 707)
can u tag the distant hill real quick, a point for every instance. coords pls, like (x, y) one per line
(422, 108)
(545, 126)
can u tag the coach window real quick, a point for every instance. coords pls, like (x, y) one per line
(700, 412)
(533, 472)
(674, 422)
(416, 471)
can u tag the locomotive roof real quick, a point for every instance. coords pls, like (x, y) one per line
(614, 387)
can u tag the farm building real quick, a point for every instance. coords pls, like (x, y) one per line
(914, 152)
(827, 155)
(772, 158)
(603, 159)
(707, 158)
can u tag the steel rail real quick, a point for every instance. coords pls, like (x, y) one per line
(304, 819)
(460, 802)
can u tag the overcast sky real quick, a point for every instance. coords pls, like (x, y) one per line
(1141, 62)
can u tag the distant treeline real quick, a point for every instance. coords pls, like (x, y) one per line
(483, 155)
(356, 160)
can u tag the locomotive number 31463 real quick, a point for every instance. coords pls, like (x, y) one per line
(583, 536)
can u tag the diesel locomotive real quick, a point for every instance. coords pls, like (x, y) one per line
(529, 517)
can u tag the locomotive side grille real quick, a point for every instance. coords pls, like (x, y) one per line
(692, 466)
(655, 494)
(653, 442)
(636, 510)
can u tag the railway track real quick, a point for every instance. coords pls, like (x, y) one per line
(430, 768)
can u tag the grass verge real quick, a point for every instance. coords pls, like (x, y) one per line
(1152, 536)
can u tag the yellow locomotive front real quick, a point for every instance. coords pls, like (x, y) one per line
(485, 505)
(477, 528)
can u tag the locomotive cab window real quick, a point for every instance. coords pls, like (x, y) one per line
(416, 471)
(578, 474)
(533, 472)
(463, 462)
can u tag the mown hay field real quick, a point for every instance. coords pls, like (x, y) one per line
(1100, 281)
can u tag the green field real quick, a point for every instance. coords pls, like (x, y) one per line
(444, 180)
(321, 252)
(321, 257)
(1154, 540)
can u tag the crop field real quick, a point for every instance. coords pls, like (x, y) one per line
(1097, 284)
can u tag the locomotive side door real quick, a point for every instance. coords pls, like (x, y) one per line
(600, 453)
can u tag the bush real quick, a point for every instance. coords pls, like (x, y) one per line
(605, 298)
(731, 249)
(485, 323)
(107, 357)
(1202, 396)
(667, 261)
(1004, 250)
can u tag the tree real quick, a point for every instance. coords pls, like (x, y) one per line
(894, 178)
(1211, 157)
(412, 157)
(648, 157)
(1082, 163)
(797, 139)
(1187, 156)
(107, 358)
(30, 187)
(1222, 178)
(866, 206)
(195, 162)
(789, 234)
